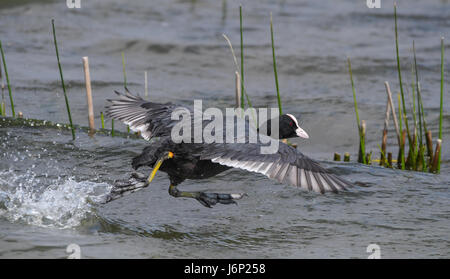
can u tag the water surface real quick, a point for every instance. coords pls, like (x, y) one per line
(49, 184)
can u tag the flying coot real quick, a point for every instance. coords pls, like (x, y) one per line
(191, 160)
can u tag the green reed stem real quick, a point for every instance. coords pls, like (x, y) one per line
(402, 146)
(7, 81)
(383, 156)
(400, 76)
(441, 102)
(62, 80)
(412, 153)
(361, 139)
(1, 84)
(242, 57)
(420, 104)
(419, 98)
(2, 103)
(415, 140)
(422, 122)
(413, 103)
(275, 66)
(102, 118)
(1, 81)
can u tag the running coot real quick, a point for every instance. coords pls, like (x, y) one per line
(190, 160)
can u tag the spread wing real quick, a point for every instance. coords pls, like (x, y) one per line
(287, 166)
(150, 119)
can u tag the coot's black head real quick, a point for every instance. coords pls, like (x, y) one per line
(288, 127)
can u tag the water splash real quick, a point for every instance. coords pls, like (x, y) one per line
(64, 203)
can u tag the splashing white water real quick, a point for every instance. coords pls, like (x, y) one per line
(62, 204)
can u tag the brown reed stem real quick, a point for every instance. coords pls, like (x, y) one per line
(385, 132)
(362, 150)
(434, 166)
(429, 140)
(383, 148)
(401, 150)
(87, 79)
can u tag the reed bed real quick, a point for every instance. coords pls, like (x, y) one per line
(410, 137)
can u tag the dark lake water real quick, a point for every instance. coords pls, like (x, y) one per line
(49, 183)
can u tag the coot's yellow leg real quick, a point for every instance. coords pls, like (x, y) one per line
(167, 155)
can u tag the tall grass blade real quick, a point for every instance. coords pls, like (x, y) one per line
(401, 150)
(419, 98)
(7, 81)
(424, 132)
(2, 88)
(438, 167)
(102, 118)
(62, 80)
(3, 103)
(275, 66)
(400, 76)
(361, 140)
(242, 56)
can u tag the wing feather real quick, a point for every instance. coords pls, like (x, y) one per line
(148, 118)
(287, 166)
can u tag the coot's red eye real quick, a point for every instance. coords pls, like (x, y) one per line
(291, 123)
